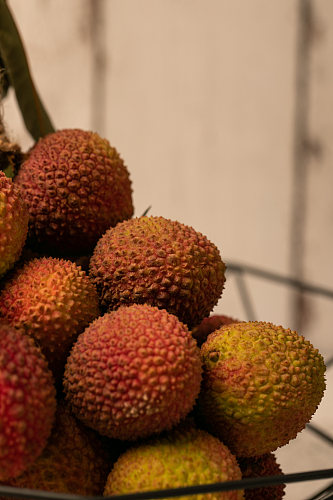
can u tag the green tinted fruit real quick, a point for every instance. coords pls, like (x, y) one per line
(261, 385)
(183, 457)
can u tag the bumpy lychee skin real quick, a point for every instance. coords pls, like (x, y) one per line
(261, 385)
(133, 372)
(53, 300)
(209, 325)
(265, 465)
(73, 461)
(14, 217)
(27, 402)
(160, 262)
(76, 186)
(180, 458)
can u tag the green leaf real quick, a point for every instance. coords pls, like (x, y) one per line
(17, 70)
(9, 171)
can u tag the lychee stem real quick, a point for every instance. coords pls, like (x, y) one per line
(15, 62)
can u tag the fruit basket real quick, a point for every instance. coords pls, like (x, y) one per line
(255, 482)
(325, 494)
(200, 270)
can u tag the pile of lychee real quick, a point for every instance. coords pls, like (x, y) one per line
(114, 378)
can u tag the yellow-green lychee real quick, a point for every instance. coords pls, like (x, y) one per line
(14, 218)
(133, 372)
(27, 402)
(183, 457)
(261, 385)
(76, 186)
(160, 262)
(53, 300)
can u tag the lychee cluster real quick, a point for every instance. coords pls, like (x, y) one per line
(115, 379)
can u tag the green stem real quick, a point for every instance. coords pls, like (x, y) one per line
(15, 61)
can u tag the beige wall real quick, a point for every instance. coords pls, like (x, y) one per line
(199, 99)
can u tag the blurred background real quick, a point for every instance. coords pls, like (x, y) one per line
(222, 112)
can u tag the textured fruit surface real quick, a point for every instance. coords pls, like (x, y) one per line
(14, 217)
(185, 457)
(76, 186)
(133, 372)
(53, 300)
(27, 402)
(261, 385)
(73, 461)
(159, 262)
(256, 467)
(209, 325)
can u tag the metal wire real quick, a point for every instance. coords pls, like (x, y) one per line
(322, 434)
(249, 483)
(325, 494)
(245, 297)
(279, 278)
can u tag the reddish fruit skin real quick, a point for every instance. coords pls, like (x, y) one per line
(76, 186)
(14, 218)
(74, 460)
(209, 325)
(163, 263)
(133, 372)
(53, 300)
(264, 465)
(27, 402)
